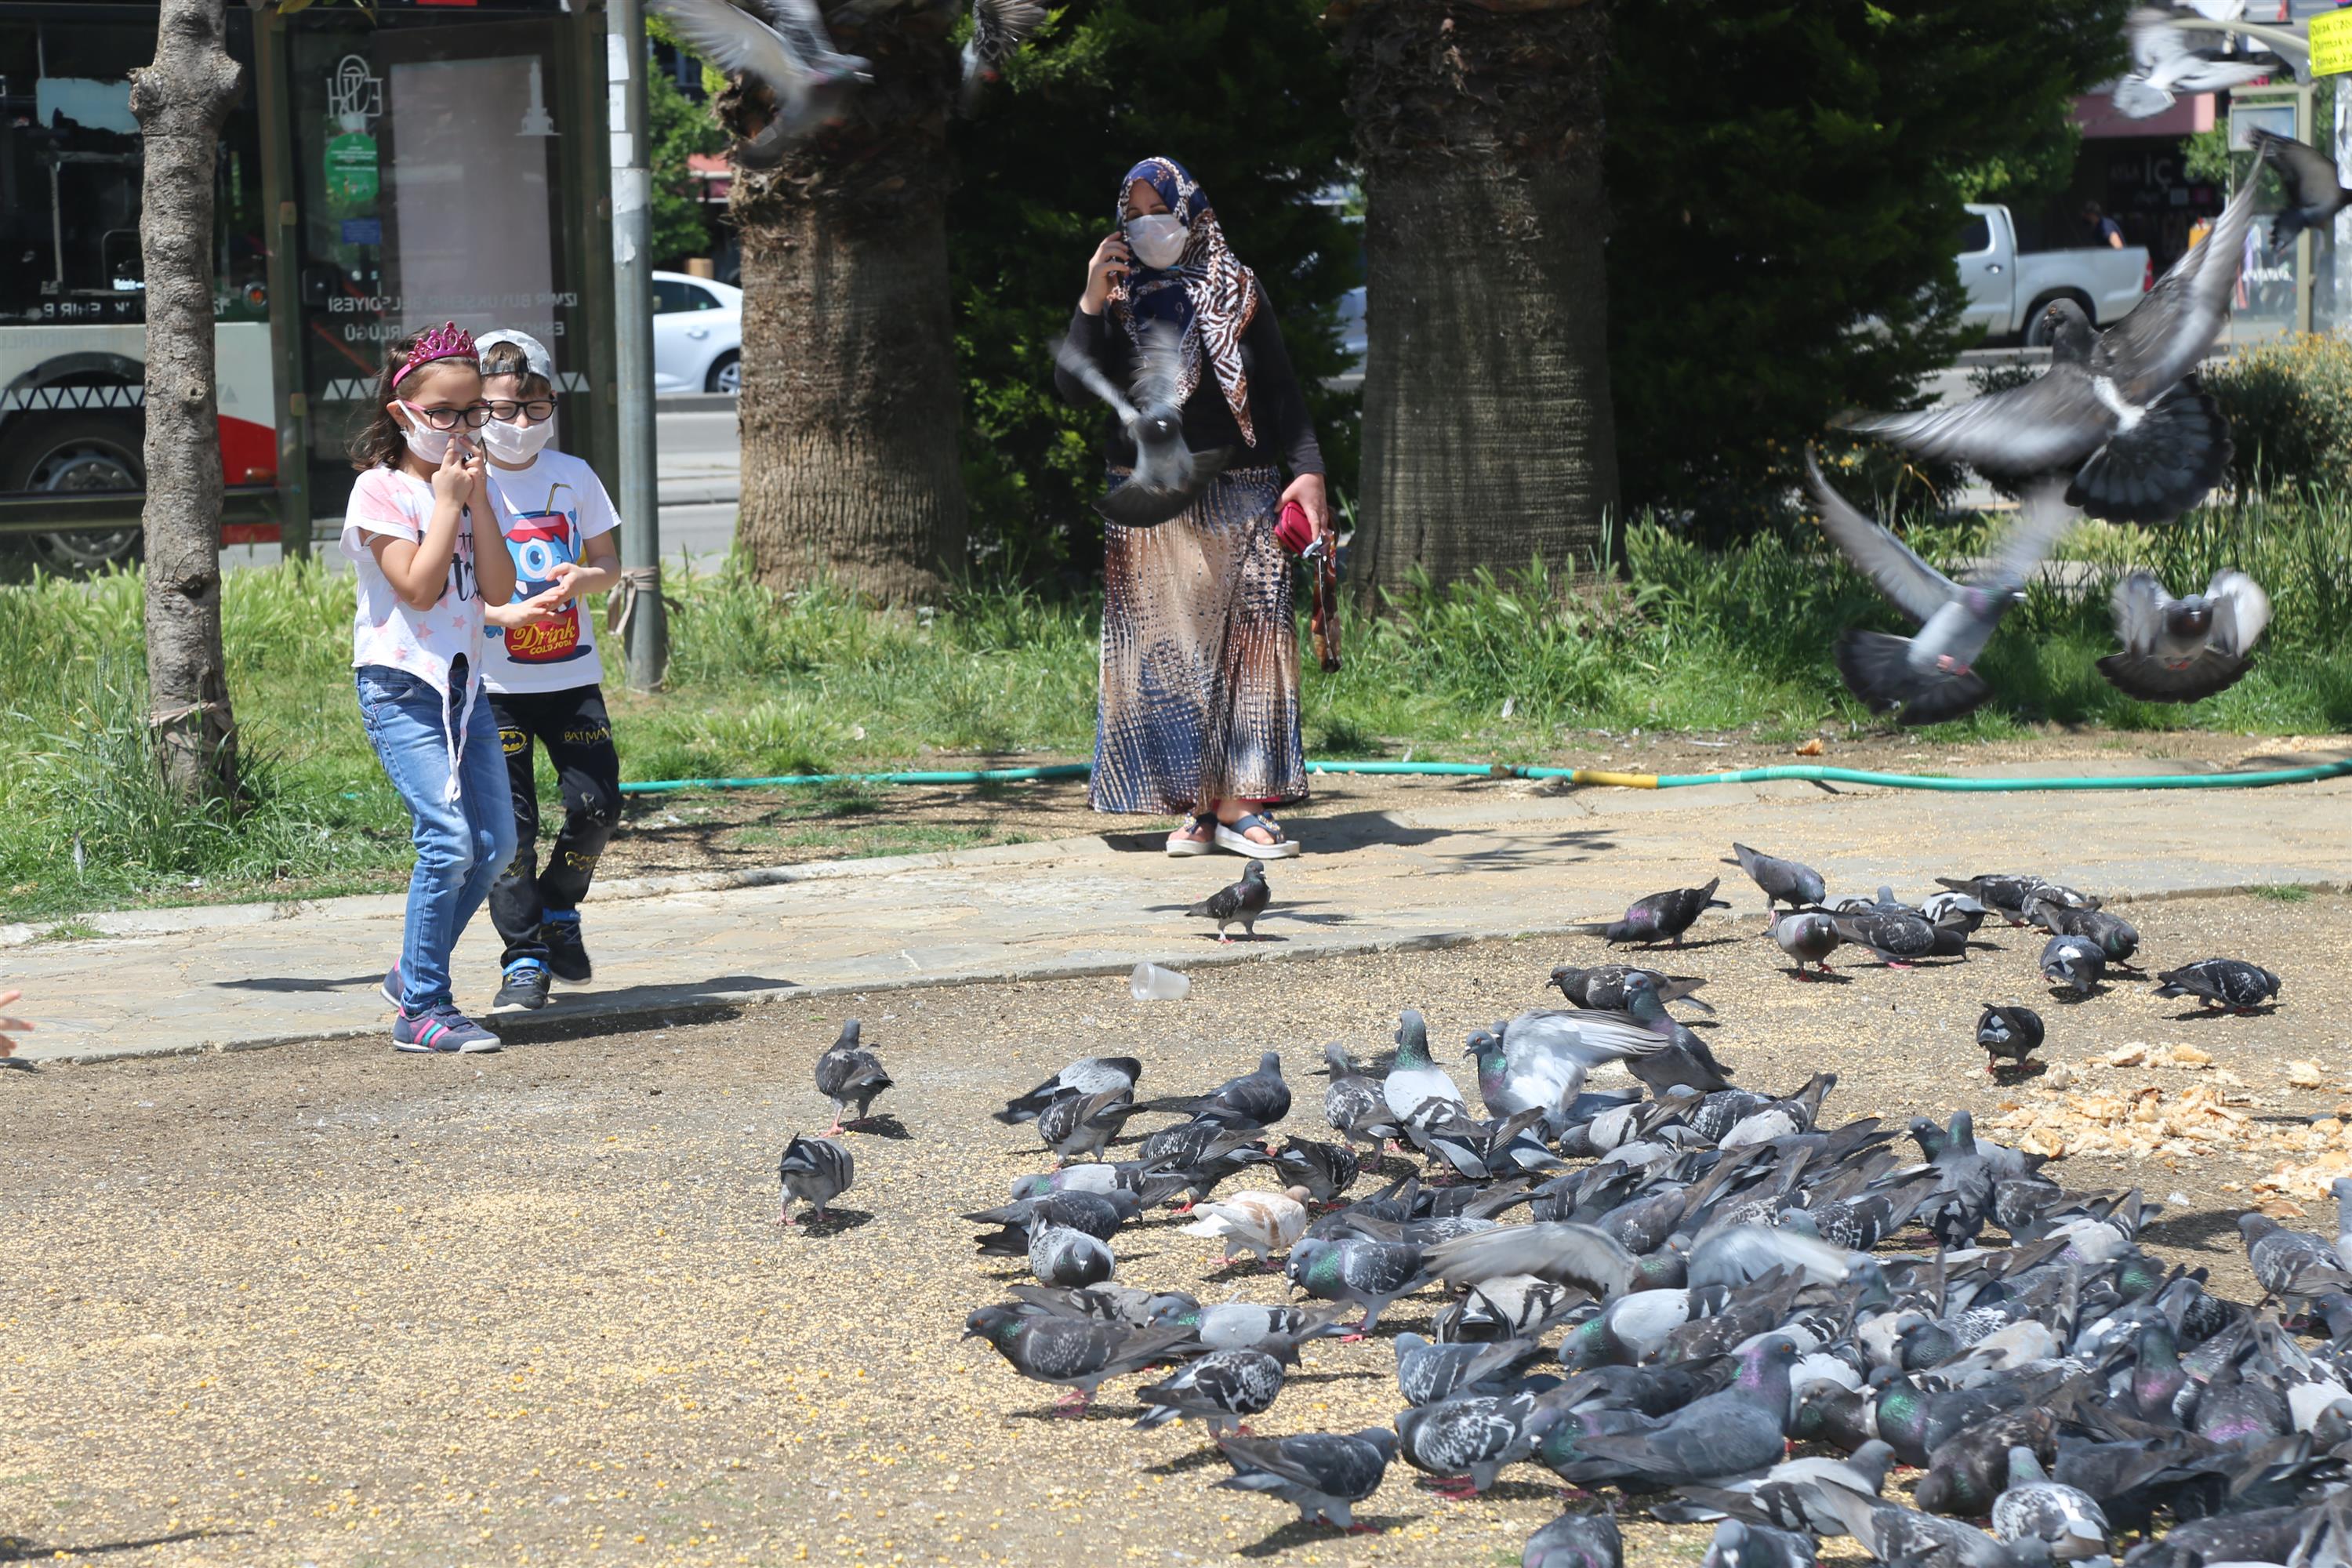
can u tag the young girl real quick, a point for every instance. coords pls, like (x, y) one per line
(543, 679)
(416, 654)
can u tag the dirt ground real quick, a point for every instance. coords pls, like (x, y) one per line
(326, 1304)
(732, 830)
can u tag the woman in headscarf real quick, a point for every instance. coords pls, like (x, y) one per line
(1199, 712)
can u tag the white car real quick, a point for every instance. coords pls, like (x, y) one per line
(2007, 286)
(698, 335)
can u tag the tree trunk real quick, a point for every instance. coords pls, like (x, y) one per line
(181, 101)
(850, 402)
(1488, 438)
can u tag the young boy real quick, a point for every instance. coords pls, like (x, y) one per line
(543, 681)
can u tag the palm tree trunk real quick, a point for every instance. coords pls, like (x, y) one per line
(850, 402)
(180, 100)
(1488, 438)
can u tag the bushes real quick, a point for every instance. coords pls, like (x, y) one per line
(2289, 408)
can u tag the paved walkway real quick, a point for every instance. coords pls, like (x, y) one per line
(1509, 859)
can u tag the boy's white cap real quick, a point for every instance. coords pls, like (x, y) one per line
(535, 357)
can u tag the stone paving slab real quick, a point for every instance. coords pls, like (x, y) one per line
(1526, 860)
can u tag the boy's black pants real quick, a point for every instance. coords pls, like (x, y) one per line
(574, 727)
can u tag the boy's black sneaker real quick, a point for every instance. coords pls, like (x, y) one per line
(525, 987)
(567, 955)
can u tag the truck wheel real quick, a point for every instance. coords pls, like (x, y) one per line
(2037, 331)
(77, 454)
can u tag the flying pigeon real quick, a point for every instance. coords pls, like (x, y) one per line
(1321, 1474)
(1661, 917)
(2008, 1031)
(2167, 62)
(1576, 1540)
(2119, 410)
(1931, 677)
(2180, 650)
(2228, 982)
(1258, 1223)
(1221, 1390)
(1168, 476)
(1069, 1258)
(1239, 904)
(2314, 193)
(2037, 1507)
(783, 44)
(816, 1171)
(2073, 963)
(1808, 936)
(846, 1074)
(1087, 1075)
(1075, 1354)
(1781, 881)
(999, 28)
(1602, 986)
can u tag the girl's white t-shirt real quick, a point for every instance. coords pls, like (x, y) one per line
(387, 632)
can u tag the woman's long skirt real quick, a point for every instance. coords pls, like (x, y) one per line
(1200, 657)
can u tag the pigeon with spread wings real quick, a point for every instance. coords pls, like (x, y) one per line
(1169, 475)
(1932, 676)
(783, 46)
(2119, 412)
(2180, 650)
(2314, 194)
(2169, 61)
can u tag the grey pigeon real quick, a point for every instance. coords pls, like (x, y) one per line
(1474, 1436)
(1895, 1534)
(2314, 193)
(1121, 1306)
(1417, 1091)
(1359, 1271)
(1081, 1125)
(1354, 1105)
(1899, 937)
(1742, 1544)
(1326, 1170)
(1168, 476)
(1075, 1354)
(1249, 1326)
(1808, 936)
(1931, 677)
(2182, 650)
(2116, 937)
(847, 1075)
(1661, 917)
(783, 46)
(1238, 904)
(1719, 1436)
(2169, 62)
(2289, 1264)
(999, 27)
(1948, 908)
(1601, 987)
(2118, 411)
(1254, 1099)
(1781, 881)
(2036, 1507)
(1557, 1250)
(1575, 1541)
(1321, 1474)
(816, 1171)
(1794, 1493)
(1061, 1255)
(1221, 1390)
(2007, 892)
(1087, 1075)
(1098, 1214)
(1428, 1372)
(2229, 982)
(2010, 1032)
(2073, 963)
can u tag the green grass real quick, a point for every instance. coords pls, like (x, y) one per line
(2283, 892)
(69, 930)
(1517, 671)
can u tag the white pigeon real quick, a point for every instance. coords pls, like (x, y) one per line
(2169, 62)
(1259, 1223)
(1419, 1092)
(2178, 650)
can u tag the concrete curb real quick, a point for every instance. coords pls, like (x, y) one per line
(694, 1001)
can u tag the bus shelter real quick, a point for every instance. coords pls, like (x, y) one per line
(446, 160)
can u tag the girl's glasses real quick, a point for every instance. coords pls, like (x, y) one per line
(472, 418)
(538, 411)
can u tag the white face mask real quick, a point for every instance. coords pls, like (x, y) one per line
(516, 442)
(428, 444)
(1158, 239)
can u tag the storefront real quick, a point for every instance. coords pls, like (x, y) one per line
(446, 162)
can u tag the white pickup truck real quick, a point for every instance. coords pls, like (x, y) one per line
(2008, 290)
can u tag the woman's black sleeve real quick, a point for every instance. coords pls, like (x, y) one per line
(1278, 406)
(1091, 336)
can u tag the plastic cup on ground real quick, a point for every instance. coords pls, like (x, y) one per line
(1150, 983)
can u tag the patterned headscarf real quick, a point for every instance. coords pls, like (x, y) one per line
(1209, 295)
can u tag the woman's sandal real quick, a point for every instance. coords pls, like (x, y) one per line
(1180, 844)
(1234, 836)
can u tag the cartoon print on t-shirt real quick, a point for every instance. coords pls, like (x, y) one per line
(539, 542)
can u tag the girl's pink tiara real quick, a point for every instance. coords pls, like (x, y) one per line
(447, 341)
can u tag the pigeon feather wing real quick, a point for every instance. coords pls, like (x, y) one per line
(2043, 518)
(739, 44)
(1914, 587)
(2169, 330)
(2053, 421)
(1551, 1250)
(1070, 358)
(1157, 360)
(2308, 173)
(2242, 611)
(2139, 602)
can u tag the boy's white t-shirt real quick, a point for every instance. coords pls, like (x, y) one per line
(548, 511)
(387, 632)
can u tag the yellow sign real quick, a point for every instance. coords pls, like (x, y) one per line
(2331, 43)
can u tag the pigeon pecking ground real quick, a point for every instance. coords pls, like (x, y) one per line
(316, 1304)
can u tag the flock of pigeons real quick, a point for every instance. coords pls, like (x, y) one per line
(1696, 1288)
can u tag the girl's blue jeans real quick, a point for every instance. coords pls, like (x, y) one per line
(462, 844)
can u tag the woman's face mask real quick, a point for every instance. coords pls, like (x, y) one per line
(513, 441)
(1158, 239)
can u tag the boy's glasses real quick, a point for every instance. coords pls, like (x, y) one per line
(472, 418)
(538, 411)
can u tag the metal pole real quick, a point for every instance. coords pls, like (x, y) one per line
(644, 624)
(279, 183)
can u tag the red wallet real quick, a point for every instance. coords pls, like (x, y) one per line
(1294, 531)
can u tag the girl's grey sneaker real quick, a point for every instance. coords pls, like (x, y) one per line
(444, 1031)
(525, 987)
